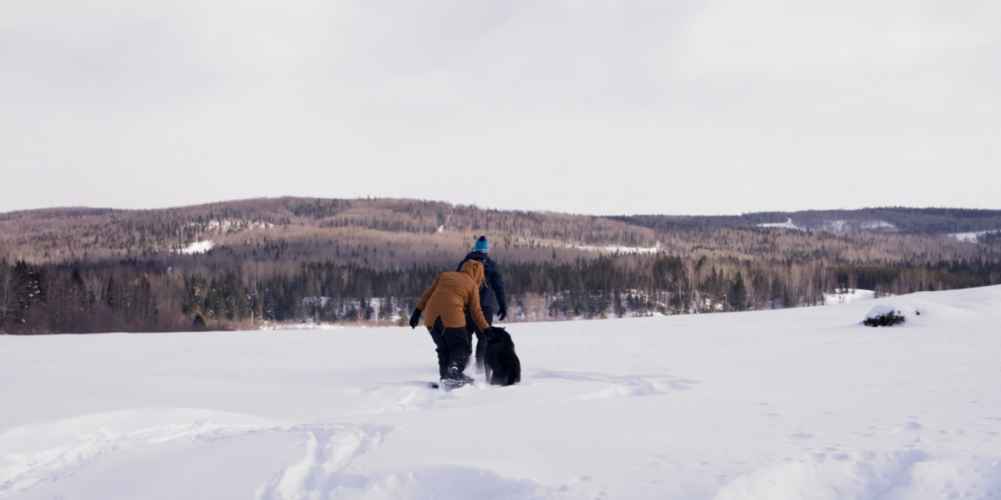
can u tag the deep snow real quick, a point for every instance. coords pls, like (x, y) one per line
(793, 404)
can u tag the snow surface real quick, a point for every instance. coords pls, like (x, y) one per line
(224, 226)
(302, 325)
(197, 247)
(835, 226)
(792, 404)
(974, 236)
(788, 224)
(848, 296)
(877, 224)
(618, 249)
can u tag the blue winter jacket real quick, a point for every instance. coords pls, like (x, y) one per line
(493, 286)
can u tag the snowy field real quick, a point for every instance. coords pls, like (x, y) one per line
(795, 404)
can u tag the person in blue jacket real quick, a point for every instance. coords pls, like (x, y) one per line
(492, 296)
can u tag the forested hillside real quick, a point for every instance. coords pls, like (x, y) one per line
(248, 263)
(927, 221)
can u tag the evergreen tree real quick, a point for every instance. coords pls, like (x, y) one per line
(737, 296)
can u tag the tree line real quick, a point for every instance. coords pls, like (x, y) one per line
(175, 294)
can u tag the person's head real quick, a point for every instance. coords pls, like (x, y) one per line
(481, 245)
(475, 270)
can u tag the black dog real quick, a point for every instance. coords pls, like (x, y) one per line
(501, 363)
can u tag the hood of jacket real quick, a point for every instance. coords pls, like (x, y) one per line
(475, 270)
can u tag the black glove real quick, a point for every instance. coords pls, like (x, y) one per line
(415, 318)
(502, 315)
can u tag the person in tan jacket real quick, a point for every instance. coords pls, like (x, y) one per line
(444, 307)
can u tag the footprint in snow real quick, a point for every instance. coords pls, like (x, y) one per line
(329, 450)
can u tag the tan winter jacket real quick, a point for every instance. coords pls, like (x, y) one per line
(452, 294)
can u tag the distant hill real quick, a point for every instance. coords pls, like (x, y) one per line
(419, 231)
(248, 263)
(927, 221)
(421, 227)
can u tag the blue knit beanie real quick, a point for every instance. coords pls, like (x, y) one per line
(482, 245)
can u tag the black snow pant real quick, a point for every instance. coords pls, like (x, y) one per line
(453, 348)
(481, 337)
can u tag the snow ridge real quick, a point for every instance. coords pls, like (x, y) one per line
(908, 474)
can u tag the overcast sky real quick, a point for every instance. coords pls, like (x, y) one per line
(608, 106)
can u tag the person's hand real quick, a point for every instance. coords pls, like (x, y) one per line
(415, 318)
(502, 315)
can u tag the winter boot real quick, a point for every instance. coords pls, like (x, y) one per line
(455, 378)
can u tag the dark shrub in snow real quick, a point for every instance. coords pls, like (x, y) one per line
(883, 316)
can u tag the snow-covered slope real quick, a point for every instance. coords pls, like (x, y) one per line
(791, 404)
